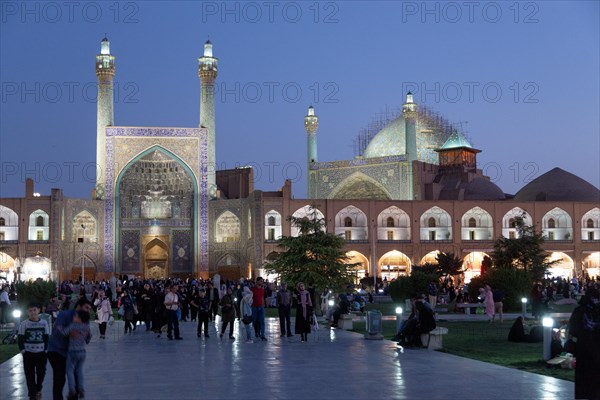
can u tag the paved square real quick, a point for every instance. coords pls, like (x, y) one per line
(334, 364)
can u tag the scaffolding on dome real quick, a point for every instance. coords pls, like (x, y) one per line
(430, 121)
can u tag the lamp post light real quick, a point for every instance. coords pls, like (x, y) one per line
(547, 323)
(523, 306)
(83, 255)
(398, 318)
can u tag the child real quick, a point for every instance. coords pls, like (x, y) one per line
(79, 335)
(33, 343)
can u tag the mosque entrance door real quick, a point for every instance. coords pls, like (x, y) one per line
(156, 257)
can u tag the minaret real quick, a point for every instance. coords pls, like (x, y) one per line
(409, 110)
(207, 71)
(311, 124)
(105, 71)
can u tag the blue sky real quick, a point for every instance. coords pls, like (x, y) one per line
(524, 75)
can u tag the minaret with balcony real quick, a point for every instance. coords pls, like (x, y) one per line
(311, 124)
(105, 71)
(207, 72)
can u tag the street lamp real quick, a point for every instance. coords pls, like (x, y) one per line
(548, 324)
(398, 319)
(523, 306)
(83, 255)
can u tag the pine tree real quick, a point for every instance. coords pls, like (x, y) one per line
(524, 252)
(314, 257)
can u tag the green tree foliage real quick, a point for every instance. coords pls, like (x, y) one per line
(314, 257)
(38, 291)
(524, 252)
(406, 287)
(514, 283)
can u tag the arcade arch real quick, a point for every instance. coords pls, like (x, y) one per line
(9, 224)
(557, 225)
(509, 227)
(563, 267)
(272, 225)
(228, 228)
(39, 225)
(477, 224)
(472, 264)
(590, 225)
(591, 265)
(351, 222)
(393, 224)
(393, 264)
(305, 212)
(360, 270)
(436, 224)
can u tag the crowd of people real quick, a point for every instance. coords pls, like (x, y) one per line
(160, 305)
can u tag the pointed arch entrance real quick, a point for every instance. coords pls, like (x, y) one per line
(394, 264)
(156, 258)
(156, 199)
(360, 270)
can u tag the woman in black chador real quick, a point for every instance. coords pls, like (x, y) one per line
(584, 331)
(303, 312)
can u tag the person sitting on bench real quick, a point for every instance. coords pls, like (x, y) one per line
(423, 322)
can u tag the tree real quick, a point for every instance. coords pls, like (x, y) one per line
(449, 264)
(314, 257)
(524, 251)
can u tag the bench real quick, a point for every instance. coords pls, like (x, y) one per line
(469, 306)
(434, 339)
(345, 322)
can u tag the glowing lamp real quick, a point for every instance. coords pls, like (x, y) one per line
(524, 300)
(398, 310)
(547, 322)
(16, 314)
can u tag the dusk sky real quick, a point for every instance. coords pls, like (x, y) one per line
(524, 75)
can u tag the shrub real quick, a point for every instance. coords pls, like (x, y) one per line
(38, 291)
(407, 286)
(513, 282)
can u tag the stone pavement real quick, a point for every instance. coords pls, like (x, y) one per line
(333, 364)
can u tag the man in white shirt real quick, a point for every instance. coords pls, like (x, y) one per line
(172, 304)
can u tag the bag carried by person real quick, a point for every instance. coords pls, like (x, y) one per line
(121, 310)
(247, 320)
(135, 309)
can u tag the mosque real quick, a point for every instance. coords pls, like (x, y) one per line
(160, 209)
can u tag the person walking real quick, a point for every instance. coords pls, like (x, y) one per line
(79, 335)
(498, 304)
(4, 304)
(284, 306)
(227, 313)
(33, 343)
(584, 332)
(204, 311)
(58, 346)
(490, 307)
(246, 311)
(172, 305)
(103, 311)
(258, 307)
(303, 312)
(128, 304)
(213, 296)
